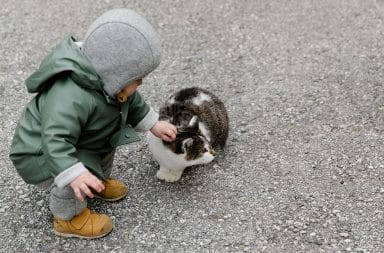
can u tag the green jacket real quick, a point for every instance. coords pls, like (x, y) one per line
(71, 123)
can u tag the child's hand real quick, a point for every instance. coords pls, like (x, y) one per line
(164, 130)
(84, 183)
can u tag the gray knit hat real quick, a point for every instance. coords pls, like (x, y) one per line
(122, 47)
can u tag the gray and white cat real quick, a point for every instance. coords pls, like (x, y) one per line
(202, 127)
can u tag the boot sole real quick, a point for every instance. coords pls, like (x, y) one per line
(80, 236)
(111, 200)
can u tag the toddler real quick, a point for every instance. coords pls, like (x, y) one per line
(86, 105)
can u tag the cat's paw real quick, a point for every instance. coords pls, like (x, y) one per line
(169, 175)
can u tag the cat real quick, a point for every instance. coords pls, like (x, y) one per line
(202, 127)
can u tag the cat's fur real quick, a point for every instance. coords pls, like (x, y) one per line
(202, 127)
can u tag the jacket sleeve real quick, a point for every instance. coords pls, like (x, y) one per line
(140, 115)
(64, 113)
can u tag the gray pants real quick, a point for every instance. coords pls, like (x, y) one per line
(63, 202)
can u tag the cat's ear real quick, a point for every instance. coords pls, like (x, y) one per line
(193, 122)
(187, 143)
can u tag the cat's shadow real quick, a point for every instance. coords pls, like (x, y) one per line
(192, 176)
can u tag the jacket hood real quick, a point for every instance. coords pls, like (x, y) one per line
(66, 59)
(123, 47)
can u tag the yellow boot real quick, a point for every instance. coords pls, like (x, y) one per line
(87, 224)
(114, 190)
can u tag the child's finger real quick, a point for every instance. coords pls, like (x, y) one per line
(87, 191)
(100, 186)
(167, 138)
(170, 134)
(78, 194)
(173, 135)
(96, 184)
(174, 129)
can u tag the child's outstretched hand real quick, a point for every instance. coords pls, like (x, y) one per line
(84, 183)
(164, 130)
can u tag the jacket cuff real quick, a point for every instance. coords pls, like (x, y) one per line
(147, 122)
(68, 175)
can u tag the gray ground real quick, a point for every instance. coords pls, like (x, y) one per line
(303, 169)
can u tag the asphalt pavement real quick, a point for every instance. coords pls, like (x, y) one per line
(303, 168)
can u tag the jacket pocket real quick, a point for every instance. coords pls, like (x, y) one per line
(31, 168)
(124, 136)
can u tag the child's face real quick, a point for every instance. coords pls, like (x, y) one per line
(129, 90)
(132, 87)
